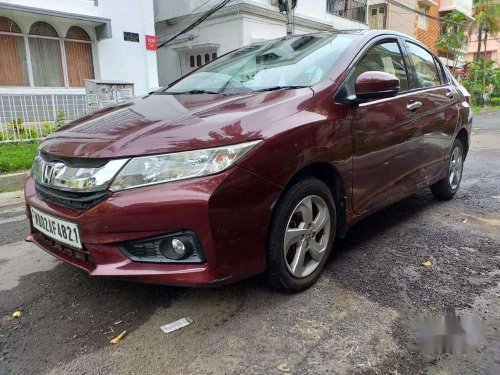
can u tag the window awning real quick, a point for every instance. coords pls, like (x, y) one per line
(102, 25)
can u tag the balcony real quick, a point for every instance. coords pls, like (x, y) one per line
(351, 9)
(464, 6)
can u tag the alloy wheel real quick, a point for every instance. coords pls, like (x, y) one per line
(307, 236)
(455, 170)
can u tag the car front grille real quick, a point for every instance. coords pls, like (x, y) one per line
(77, 201)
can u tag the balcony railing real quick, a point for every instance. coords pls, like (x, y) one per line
(352, 9)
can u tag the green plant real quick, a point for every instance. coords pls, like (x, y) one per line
(15, 126)
(453, 38)
(48, 127)
(7, 137)
(60, 119)
(495, 101)
(476, 69)
(476, 108)
(15, 130)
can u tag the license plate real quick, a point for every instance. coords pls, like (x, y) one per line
(59, 230)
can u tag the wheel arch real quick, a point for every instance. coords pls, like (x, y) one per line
(330, 175)
(463, 136)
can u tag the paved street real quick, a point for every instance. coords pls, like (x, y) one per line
(360, 317)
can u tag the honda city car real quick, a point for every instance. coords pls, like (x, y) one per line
(253, 163)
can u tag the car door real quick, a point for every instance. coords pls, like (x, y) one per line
(387, 139)
(439, 113)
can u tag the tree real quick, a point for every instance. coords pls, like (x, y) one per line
(486, 19)
(477, 24)
(491, 21)
(486, 14)
(453, 39)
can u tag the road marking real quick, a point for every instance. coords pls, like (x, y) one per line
(13, 219)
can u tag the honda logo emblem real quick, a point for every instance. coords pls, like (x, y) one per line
(50, 171)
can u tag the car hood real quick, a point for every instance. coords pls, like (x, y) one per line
(161, 123)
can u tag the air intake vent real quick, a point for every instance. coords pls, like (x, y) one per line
(77, 201)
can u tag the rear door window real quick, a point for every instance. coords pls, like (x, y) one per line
(445, 78)
(425, 67)
(385, 57)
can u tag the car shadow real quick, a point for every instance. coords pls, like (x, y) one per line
(381, 221)
(65, 312)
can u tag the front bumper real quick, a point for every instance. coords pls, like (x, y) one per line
(229, 212)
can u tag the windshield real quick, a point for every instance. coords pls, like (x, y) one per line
(299, 61)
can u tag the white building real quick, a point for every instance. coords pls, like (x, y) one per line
(239, 23)
(400, 16)
(49, 47)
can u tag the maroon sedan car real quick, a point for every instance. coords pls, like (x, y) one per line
(253, 163)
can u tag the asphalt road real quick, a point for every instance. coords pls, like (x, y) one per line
(359, 318)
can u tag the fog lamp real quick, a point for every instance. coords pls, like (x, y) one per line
(178, 247)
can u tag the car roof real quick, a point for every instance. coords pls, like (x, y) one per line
(368, 33)
(365, 32)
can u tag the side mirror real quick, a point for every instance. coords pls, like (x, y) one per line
(376, 85)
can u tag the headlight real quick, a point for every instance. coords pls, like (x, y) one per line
(155, 169)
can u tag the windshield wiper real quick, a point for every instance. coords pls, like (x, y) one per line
(273, 88)
(194, 92)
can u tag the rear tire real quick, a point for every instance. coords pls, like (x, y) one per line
(301, 236)
(447, 187)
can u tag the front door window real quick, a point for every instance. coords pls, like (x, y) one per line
(385, 57)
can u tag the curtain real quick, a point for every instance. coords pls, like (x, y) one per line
(46, 62)
(13, 70)
(79, 60)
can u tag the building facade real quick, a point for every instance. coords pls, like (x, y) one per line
(448, 6)
(53, 45)
(492, 48)
(388, 15)
(427, 29)
(421, 19)
(238, 24)
(48, 48)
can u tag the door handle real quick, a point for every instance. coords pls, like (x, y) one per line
(450, 94)
(413, 106)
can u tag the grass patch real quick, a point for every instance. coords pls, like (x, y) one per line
(477, 109)
(17, 156)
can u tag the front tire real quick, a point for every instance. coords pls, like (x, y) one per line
(448, 186)
(301, 236)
